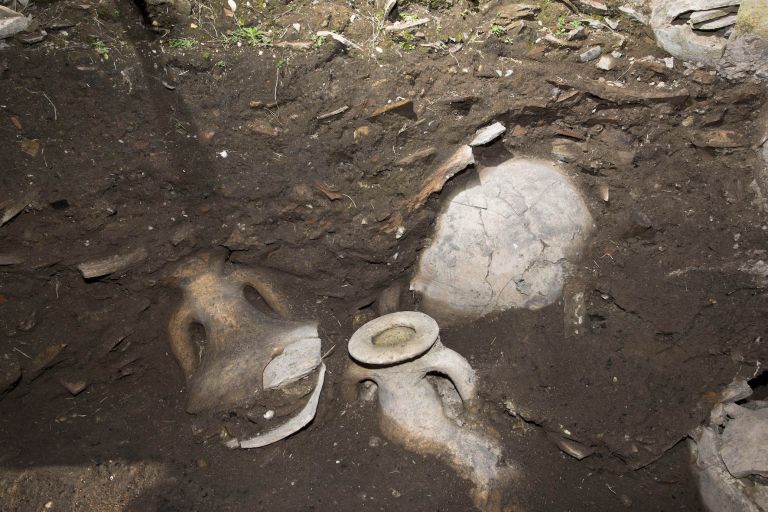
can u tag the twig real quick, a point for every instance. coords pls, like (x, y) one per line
(55, 112)
(353, 201)
(22, 353)
(329, 351)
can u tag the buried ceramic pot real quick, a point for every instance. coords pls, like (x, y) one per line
(245, 350)
(397, 352)
(504, 241)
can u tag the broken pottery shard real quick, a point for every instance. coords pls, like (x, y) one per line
(488, 134)
(718, 139)
(405, 25)
(460, 160)
(112, 264)
(503, 241)
(297, 361)
(11, 22)
(404, 107)
(573, 448)
(292, 426)
(744, 447)
(44, 360)
(10, 374)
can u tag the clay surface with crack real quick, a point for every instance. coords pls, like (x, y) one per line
(503, 242)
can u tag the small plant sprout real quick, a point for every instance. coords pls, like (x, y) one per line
(318, 41)
(251, 36)
(408, 17)
(102, 49)
(498, 30)
(182, 43)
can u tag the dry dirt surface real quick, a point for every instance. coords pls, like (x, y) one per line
(135, 131)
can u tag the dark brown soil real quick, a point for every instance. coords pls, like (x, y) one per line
(131, 155)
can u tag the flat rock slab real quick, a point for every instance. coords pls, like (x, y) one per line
(503, 242)
(744, 447)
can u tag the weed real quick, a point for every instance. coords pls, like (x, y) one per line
(221, 64)
(318, 41)
(182, 43)
(101, 48)
(251, 36)
(281, 63)
(207, 55)
(408, 17)
(498, 30)
(406, 41)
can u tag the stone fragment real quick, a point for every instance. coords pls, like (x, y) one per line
(512, 12)
(405, 25)
(577, 34)
(606, 63)
(504, 241)
(717, 24)
(591, 54)
(625, 95)
(707, 15)
(298, 360)
(75, 385)
(11, 22)
(592, 6)
(737, 390)
(488, 134)
(744, 447)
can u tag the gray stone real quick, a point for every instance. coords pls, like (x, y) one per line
(503, 242)
(744, 446)
(11, 22)
(736, 53)
(591, 54)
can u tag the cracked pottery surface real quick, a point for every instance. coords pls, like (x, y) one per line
(412, 410)
(504, 241)
(227, 370)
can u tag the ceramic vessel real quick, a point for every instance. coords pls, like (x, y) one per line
(398, 352)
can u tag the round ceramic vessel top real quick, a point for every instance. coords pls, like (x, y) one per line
(394, 338)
